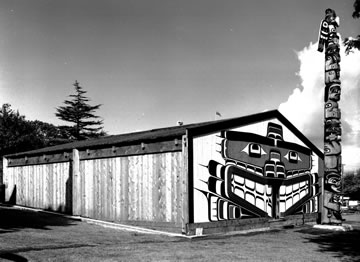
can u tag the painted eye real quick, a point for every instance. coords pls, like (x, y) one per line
(292, 157)
(327, 150)
(254, 150)
(328, 105)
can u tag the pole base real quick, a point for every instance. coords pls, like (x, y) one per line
(343, 227)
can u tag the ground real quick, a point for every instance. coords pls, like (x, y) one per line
(26, 235)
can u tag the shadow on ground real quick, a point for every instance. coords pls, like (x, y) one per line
(13, 257)
(344, 244)
(14, 219)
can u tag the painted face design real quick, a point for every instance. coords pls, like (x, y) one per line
(262, 175)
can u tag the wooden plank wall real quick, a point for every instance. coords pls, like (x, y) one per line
(39, 186)
(135, 188)
(146, 190)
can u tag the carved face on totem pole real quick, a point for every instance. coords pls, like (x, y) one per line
(328, 29)
(331, 18)
(333, 182)
(334, 92)
(332, 110)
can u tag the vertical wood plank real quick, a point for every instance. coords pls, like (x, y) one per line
(58, 187)
(90, 174)
(36, 186)
(86, 182)
(5, 178)
(104, 195)
(87, 174)
(125, 188)
(100, 192)
(146, 189)
(174, 189)
(54, 182)
(184, 184)
(136, 186)
(99, 187)
(82, 190)
(117, 178)
(16, 197)
(41, 186)
(162, 188)
(132, 191)
(178, 187)
(20, 186)
(150, 189)
(32, 187)
(144, 199)
(96, 188)
(140, 183)
(63, 187)
(141, 198)
(112, 208)
(27, 186)
(108, 187)
(50, 187)
(68, 190)
(155, 188)
(168, 181)
(45, 188)
(76, 182)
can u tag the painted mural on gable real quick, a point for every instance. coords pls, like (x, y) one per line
(254, 175)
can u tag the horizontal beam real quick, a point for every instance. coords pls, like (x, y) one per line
(139, 149)
(40, 159)
(86, 154)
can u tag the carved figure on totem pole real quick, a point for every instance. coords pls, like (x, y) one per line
(329, 40)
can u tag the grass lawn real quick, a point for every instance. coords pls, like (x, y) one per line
(35, 236)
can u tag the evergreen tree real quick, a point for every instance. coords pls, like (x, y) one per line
(351, 185)
(350, 42)
(78, 111)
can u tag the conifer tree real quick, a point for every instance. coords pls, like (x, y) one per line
(78, 111)
(352, 43)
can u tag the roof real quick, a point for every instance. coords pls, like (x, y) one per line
(162, 134)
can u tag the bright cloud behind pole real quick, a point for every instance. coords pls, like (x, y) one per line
(305, 106)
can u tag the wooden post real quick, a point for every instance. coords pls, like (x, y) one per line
(321, 197)
(184, 184)
(4, 194)
(76, 185)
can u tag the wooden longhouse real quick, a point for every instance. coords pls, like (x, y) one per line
(207, 177)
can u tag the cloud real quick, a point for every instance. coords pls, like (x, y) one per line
(304, 107)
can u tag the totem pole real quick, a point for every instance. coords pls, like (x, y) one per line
(329, 40)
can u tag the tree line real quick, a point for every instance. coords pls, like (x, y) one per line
(17, 134)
